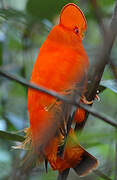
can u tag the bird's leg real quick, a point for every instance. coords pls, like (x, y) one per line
(85, 101)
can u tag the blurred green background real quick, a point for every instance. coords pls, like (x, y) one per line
(24, 25)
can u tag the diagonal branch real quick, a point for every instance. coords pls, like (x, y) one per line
(103, 58)
(100, 174)
(92, 111)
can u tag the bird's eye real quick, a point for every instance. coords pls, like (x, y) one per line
(76, 30)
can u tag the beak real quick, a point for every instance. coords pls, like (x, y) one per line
(83, 35)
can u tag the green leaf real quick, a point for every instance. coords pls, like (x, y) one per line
(12, 13)
(11, 136)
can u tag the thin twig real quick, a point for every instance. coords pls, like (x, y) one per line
(92, 111)
(98, 15)
(100, 174)
(63, 175)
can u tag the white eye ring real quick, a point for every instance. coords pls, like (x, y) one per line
(76, 30)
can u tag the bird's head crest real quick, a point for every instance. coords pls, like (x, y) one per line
(72, 18)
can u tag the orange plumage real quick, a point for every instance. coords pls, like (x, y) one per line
(61, 65)
(73, 156)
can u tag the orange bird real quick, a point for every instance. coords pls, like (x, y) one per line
(61, 65)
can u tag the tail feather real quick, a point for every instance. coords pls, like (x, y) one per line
(87, 164)
(75, 156)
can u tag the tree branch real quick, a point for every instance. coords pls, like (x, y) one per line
(100, 174)
(92, 111)
(103, 58)
(64, 174)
